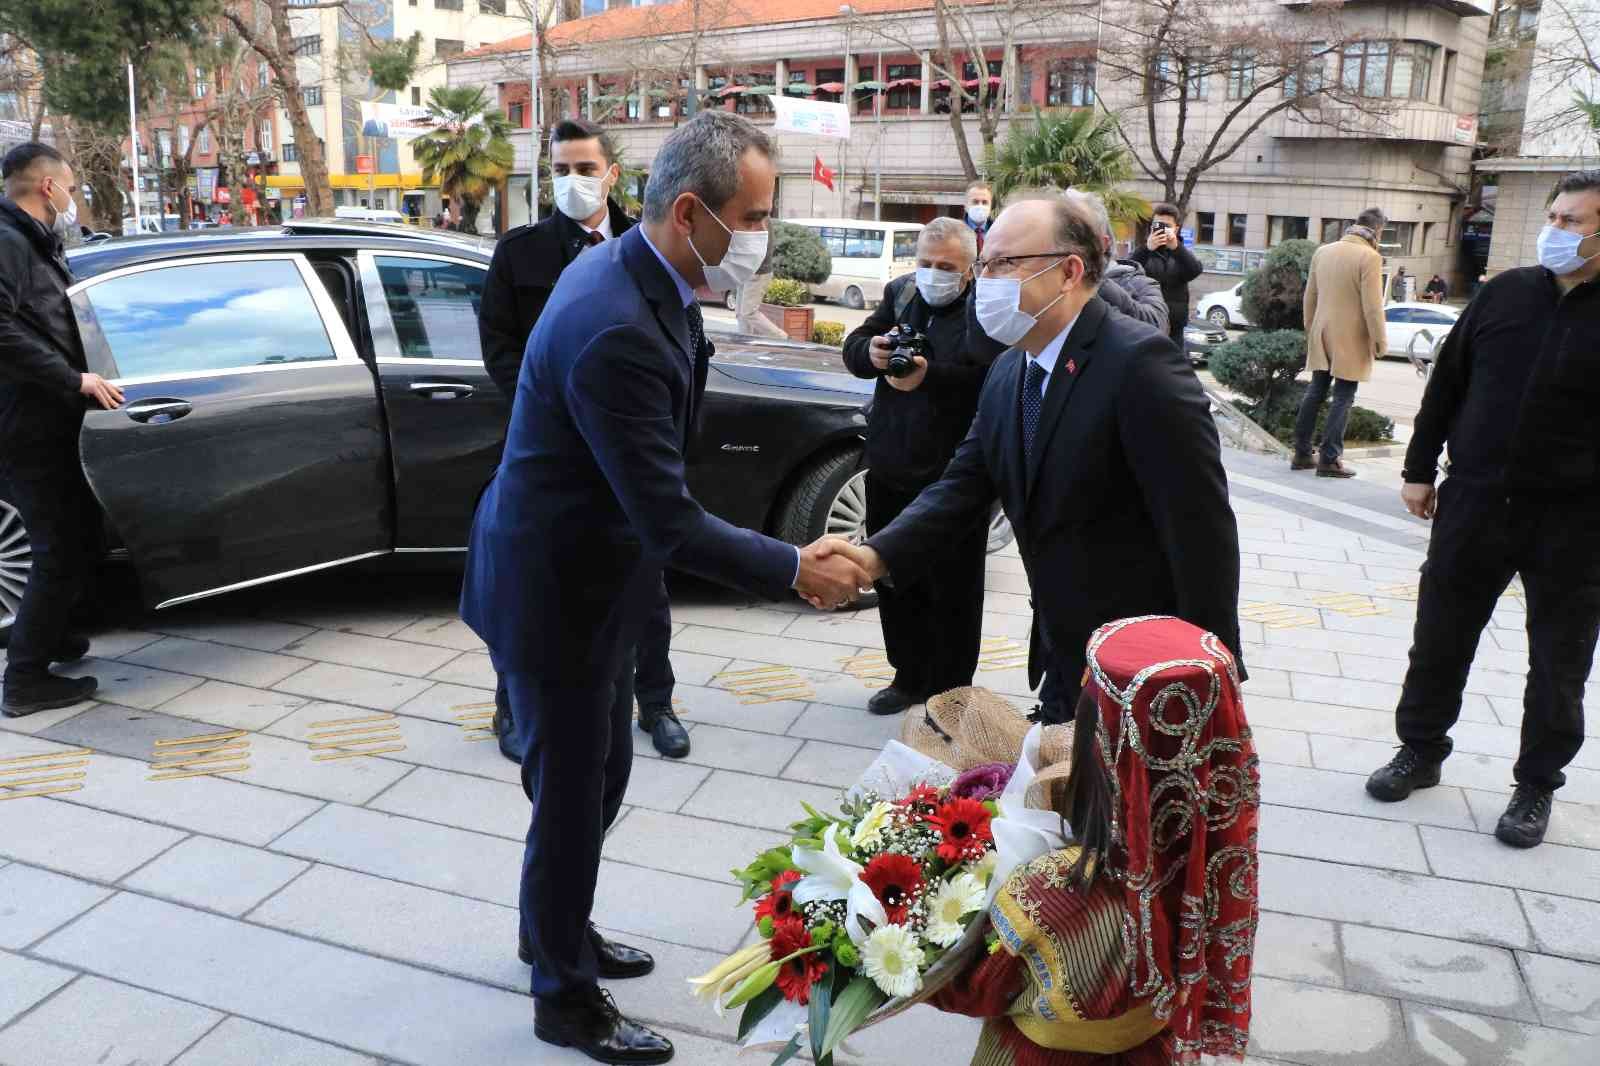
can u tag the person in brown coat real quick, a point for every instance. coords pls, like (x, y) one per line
(1344, 334)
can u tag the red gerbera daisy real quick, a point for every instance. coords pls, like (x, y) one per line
(965, 825)
(779, 903)
(922, 800)
(796, 976)
(895, 880)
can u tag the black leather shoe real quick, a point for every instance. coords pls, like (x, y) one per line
(46, 694)
(891, 700)
(597, 1028)
(618, 962)
(1527, 817)
(71, 650)
(1403, 774)
(1302, 461)
(666, 732)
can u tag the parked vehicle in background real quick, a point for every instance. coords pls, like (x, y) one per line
(1199, 338)
(867, 256)
(1403, 321)
(1224, 309)
(150, 224)
(369, 214)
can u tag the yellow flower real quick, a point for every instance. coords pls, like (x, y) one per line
(730, 973)
(892, 958)
(870, 831)
(955, 899)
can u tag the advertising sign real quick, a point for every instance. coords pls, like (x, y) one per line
(400, 121)
(1466, 129)
(364, 164)
(814, 117)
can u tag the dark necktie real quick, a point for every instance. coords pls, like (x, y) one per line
(697, 330)
(596, 237)
(1032, 404)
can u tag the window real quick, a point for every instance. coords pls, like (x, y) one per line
(447, 5)
(903, 97)
(1164, 73)
(1241, 74)
(1402, 315)
(853, 243)
(1237, 225)
(183, 140)
(200, 85)
(205, 139)
(1447, 82)
(752, 103)
(311, 96)
(905, 244)
(444, 47)
(1206, 224)
(1311, 76)
(221, 315)
(433, 305)
(264, 136)
(309, 45)
(1402, 71)
(978, 89)
(263, 77)
(1070, 83)
(416, 96)
(291, 152)
(1282, 228)
(517, 113)
(828, 75)
(164, 147)
(1397, 238)
(1431, 318)
(1333, 228)
(492, 7)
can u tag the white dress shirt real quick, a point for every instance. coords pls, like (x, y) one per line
(1052, 351)
(604, 229)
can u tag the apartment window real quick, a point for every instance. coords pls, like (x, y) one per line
(416, 96)
(311, 96)
(205, 139)
(164, 147)
(969, 76)
(492, 7)
(1402, 71)
(828, 75)
(1333, 228)
(1070, 83)
(1241, 74)
(1311, 76)
(516, 113)
(798, 78)
(1206, 227)
(1447, 82)
(444, 47)
(1428, 237)
(1282, 228)
(1166, 69)
(904, 97)
(309, 45)
(1398, 238)
(1411, 71)
(752, 103)
(200, 85)
(263, 77)
(291, 152)
(183, 140)
(1199, 77)
(447, 5)
(1237, 226)
(264, 136)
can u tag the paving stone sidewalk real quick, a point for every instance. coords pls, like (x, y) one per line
(361, 911)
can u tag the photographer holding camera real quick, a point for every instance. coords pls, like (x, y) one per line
(1173, 266)
(929, 372)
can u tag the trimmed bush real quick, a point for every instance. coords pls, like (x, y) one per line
(799, 254)
(1364, 424)
(787, 293)
(1261, 366)
(1274, 293)
(829, 333)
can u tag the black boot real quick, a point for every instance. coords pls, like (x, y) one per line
(1527, 817)
(47, 693)
(666, 732)
(1403, 774)
(617, 961)
(594, 1026)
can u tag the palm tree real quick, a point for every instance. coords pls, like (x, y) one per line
(1069, 149)
(468, 153)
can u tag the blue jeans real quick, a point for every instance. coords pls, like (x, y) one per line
(1344, 395)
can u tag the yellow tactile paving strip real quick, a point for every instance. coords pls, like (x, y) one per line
(354, 738)
(766, 684)
(205, 755)
(43, 775)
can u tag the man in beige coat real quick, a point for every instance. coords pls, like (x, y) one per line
(1344, 333)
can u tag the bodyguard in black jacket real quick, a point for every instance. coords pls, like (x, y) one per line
(43, 383)
(931, 630)
(1172, 265)
(1516, 392)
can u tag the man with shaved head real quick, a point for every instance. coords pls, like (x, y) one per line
(1095, 436)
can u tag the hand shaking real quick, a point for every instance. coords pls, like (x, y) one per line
(830, 578)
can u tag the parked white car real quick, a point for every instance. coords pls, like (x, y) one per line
(1403, 321)
(867, 255)
(1225, 308)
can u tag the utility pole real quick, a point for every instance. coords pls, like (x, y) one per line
(133, 149)
(877, 176)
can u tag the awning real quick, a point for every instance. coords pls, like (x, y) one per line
(900, 83)
(801, 87)
(729, 90)
(761, 90)
(870, 86)
(831, 87)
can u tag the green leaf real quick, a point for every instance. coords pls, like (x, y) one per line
(859, 999)
(821, 1002)
(790, 1050)
(757, 1009)
(753, 986)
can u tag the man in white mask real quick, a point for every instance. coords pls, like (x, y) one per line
(1513, 393)
(980, 206)
(1095, 436)
(920, 413)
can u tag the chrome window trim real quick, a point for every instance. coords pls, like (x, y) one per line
(428, 551)
(344, 350)
(385, 341)
(270, 578)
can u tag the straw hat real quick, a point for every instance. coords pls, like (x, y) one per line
(969, 727)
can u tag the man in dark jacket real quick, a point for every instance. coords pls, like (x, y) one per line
(43, 383)
(1514, 393)
(1165, 258)
(931, 630)
(526, 265)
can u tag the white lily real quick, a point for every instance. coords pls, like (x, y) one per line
(728, 974)
(831, 876)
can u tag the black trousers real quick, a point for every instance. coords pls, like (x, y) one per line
(653, 680)
(931, 629)
(64, 527)
(1480, 540)
(575, 762)
(1059, 690)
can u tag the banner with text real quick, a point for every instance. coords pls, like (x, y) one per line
(815, 117)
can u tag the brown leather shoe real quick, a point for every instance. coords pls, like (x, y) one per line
(1334, 469)
(1302, 461)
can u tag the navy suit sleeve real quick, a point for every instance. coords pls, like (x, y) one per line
(1165, 425)
(942, 515)
(620, 396)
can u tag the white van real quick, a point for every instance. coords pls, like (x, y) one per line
(149, 224)
(369, 214)
(867, 256)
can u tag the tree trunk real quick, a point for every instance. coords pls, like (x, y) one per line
(278, 52)
(957, 125)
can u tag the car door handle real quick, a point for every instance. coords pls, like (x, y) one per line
(443, 390)
(158, 412)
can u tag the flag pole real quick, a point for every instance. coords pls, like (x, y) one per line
(815, 159)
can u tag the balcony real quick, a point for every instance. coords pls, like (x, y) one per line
(1405, 122)
(1459, 8)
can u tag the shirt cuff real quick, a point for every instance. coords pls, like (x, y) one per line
(796, 582)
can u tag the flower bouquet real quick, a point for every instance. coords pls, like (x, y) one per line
(857, 910)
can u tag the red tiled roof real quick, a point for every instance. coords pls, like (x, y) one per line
(624, 23)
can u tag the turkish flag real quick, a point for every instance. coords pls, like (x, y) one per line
(821, 174)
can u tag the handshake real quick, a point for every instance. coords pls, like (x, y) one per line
(834, 572)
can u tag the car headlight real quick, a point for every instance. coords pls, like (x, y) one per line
(1198, 336)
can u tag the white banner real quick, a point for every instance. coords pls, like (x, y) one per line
(400, 121)
(814, 117)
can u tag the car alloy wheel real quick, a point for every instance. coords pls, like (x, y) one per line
(1000, 531)
(847, 515)
(1218, 317)
(16, 562)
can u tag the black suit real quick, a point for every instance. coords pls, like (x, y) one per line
(1122, 509)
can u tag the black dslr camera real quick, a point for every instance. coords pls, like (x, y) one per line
(906, 343)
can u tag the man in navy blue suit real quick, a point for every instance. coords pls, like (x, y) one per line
(587, 508)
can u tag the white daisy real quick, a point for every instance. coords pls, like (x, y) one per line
(870, 832)
(891, 958)
(955, 899)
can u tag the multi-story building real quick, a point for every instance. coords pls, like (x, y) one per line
(1404, 146)
(334, 83)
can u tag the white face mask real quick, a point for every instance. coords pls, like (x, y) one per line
(979, 213)
(1558, 250)
(65, 224)
(938, 287)
(579, 197)
(746, 251)
(1000, 310)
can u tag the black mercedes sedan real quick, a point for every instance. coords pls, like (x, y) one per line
(311, 395)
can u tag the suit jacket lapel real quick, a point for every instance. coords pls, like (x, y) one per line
(1070, 364)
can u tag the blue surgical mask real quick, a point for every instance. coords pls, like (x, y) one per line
(1558, 250)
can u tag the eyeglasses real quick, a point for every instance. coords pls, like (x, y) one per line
(1002, 265)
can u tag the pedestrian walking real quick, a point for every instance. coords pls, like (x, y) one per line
(1512, 392)
(1174, 266)
(44, 384)
(1344, 334)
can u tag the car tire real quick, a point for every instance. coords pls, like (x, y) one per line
(1000, 531)
(16, 559)
(730, 300)
(1218, 316)
(830, 496)
(853, 299)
